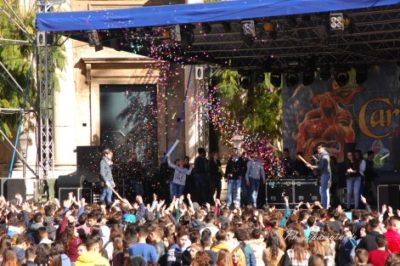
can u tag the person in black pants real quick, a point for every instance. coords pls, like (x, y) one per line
(201, 177)
(215, 175)
(370, 177)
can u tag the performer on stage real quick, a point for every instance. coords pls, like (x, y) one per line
(325, 173)
(106, 175)
(235, 172)
(254, 176)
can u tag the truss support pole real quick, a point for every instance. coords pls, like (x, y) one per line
(46, 93)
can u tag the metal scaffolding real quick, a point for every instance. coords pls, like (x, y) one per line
(46, 101)
(373, 36)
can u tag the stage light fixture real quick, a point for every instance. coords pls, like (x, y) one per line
(260, 77)
(336, 21)
(276, 79)
(268, 26)
(271, 63)
(183, 34)
(342, 77)
(94, 40)
(227, 27)
(308, 77)
(325, 73)
(248, 31)
(292, 79)
(248, 28)
(166, 34)
(187, 35)
(361, 74)
(245, 82)
(175, 33)
(206, 28)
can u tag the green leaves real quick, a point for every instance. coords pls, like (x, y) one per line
(258, 108)
(17, 60)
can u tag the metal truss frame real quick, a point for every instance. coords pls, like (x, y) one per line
(372, 37)
(46, 102)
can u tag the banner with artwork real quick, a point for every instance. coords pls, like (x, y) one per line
(344, 116)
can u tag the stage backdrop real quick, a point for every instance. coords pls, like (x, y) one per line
(355, 116)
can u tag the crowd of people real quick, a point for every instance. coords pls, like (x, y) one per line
(184, 232)
(204, 230)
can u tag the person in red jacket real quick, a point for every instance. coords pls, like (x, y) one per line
(377, 257)
(392, 235)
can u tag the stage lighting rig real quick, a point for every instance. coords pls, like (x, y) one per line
(342, 77)
(292, 79)
(183, 34)
(325, 73)
(308, 76)
(94, 40)
(361, 74)
(248, 31)
(248, 28)
(338, 21)
(259, 77)
(206, 28)
(276, 79)
(268, 26)
(271, 63)
(227, 27)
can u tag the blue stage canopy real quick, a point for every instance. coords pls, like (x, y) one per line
(194, 13)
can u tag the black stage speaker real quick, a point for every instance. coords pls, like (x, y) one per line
(275, 189)
(72, 180)
(88, 162)
(306, 191)
(389, 195)
(14, 186)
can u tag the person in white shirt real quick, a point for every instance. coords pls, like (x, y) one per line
(44, 236)
(177, 185)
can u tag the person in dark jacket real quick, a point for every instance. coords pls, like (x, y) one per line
(368, 242)
(107, 177)
(324, 169)
(201, 177)
(370, 177)
(215, 175)
(234, 174)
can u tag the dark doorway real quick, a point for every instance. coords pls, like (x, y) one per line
(128, 121)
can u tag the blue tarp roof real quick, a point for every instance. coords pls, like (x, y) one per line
(193, 13)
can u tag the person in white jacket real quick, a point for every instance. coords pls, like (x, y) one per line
(177, 185)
